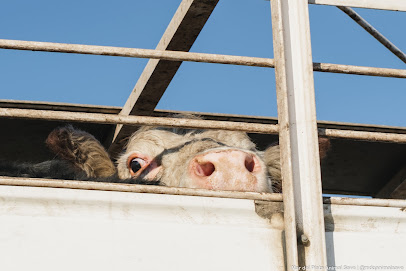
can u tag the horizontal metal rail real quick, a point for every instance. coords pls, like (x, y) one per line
(135, 52)
(189, 123)
(396, 203)
(138, 120)
(187, 56)
(358, 70)
(137, 188)
(363, 135)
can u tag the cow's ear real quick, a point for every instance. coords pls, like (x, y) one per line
(273, 164)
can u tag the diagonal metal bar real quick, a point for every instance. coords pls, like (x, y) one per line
(375, 33)
(396, 5)
(180, 35)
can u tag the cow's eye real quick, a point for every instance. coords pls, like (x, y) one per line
(137, 164)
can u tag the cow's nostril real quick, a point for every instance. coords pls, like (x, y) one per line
(204, 169)
(249, 163)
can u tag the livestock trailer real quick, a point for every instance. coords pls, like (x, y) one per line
(119, 227)
(62, 224)
(65, 224)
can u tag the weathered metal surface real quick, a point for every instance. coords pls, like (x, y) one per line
(187, 56)
(298, 140)
(393, 203)
(374, 4)
(135, 52)
(136, 120)
(365, 237)
(375, 33)
(154, 189)
(52, 115)
(361, 135)
(260, 198)
(39, 105)
(181, 33)
(64, 229)
(21, 104)
(361, 234)
(350, 167)
(359, 70)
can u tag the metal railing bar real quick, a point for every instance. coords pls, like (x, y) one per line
(135, 52)
(359, 70)
(362, 135)
(154, 189)
(137, 188)
(187, 56)
(189, 123)
(375, 33)
(397, 203)
(138, 120)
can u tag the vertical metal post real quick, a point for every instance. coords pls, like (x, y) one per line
(302, 196)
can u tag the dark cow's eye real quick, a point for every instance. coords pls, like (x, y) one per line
(137, 164)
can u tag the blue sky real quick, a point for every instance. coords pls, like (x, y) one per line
(236, 27)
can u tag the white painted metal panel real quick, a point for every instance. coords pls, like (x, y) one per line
(66, 229)
(73, 229)
(365, 237)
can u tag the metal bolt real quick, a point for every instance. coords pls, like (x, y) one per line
(304, 240)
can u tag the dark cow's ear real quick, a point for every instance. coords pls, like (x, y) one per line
(82, 150)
